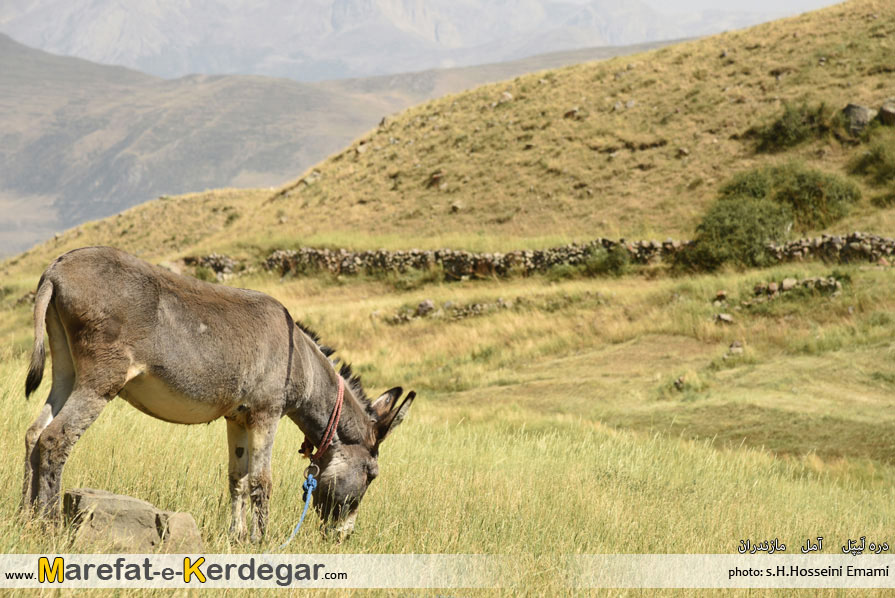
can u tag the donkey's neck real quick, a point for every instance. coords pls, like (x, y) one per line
(317, 384)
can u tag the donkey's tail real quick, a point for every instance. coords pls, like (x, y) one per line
(39, 353)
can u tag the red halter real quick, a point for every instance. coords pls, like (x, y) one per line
(307, 447)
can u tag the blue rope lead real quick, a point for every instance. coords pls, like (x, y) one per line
(309, 486)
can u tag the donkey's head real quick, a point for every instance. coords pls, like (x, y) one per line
(347, 469)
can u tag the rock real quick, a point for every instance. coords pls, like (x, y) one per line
(887, 113)
(724, 318)
(456, 207)
(630, 103)
(682, 152)
(858, 117)
(505, 97)
(736, 348)
(772, 288)
(125, 524)
(789, 284)
(425, 308)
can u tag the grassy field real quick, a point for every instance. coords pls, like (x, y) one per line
(554, 428)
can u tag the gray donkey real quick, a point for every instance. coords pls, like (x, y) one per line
(189, 352)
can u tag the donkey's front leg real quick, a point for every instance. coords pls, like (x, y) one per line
(238, 447)
(261, 434)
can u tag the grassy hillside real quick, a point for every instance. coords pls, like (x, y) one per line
(483, 171)
(83, 141)
(605, 414)
(528, 164)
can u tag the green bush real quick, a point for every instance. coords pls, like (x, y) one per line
(205, 273)
(599, 262)
(737, 230)
(797, 124)
(607, 262)
(878, 162)
(817, 199)
(760, 206)
(886, 200)
(750, 183)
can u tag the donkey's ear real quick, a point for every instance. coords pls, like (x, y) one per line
(390, 420)
(386, 401)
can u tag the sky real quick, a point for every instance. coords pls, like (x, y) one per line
(777, 6)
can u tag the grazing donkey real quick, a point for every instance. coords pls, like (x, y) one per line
(188, 352)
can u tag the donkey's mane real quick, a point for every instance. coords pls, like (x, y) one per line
(353, 380)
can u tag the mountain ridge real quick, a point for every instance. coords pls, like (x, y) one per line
(313, 40)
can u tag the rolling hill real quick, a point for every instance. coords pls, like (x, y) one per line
(83, 141)
(627, 147)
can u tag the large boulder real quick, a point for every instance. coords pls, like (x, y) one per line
(858, 117)
(117, 523)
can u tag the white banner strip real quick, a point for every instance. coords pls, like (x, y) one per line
(248, 571)
(443, 571)
(732, 571)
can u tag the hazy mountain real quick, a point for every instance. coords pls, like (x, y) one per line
(325, 39)
(80, 141)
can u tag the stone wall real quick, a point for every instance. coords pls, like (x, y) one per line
(458, 264)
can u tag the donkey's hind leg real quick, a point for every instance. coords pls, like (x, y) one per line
(237, 445)
(55, 443)
(63, 381)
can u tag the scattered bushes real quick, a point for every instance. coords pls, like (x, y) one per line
(761, 206)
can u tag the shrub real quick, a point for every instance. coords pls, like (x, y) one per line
(878, 162)
(205, 273)
(816, 199)
(736, 230)
(761, 206)
(886, 200)
(607, 262)
(599, 262)
(751, 183)
(796, 125)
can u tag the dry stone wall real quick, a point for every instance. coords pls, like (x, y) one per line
(458, 264)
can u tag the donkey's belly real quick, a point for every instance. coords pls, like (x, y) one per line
(154, 397)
